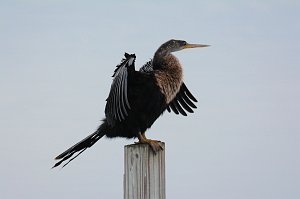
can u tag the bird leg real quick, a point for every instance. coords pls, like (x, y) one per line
(144, 136)
(154, 144)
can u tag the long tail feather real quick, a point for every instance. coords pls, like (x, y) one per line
(80, 146)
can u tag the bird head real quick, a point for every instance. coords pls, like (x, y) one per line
(174, 45)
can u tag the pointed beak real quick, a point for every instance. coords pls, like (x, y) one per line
(195, 46)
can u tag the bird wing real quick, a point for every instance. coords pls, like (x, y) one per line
(147, 67)
(184, 99)
(117, 105)
(182, 102)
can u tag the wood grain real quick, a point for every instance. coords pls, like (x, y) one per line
(144, 176)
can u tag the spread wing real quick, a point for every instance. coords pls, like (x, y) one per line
(117, 105)
(182, 102)
(184, 99)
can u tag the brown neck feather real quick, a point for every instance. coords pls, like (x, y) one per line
(168, 74)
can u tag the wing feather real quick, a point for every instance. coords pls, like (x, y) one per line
(182, 102)
(185, 105)
(118, 105)
(188, 101)
(168, 109)
(173, 108)
(147, 67)
(118, 97)
(179, 108)
(188, 93)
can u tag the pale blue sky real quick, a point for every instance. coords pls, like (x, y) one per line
(57, 58)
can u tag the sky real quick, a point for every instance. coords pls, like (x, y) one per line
(57, 58)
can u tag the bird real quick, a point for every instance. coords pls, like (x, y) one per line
(138, 97)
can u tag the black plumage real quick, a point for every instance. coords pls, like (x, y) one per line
(138, 98)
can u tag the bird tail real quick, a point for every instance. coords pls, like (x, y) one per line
(81, 146)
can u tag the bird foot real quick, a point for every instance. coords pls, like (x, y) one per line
(155, 145)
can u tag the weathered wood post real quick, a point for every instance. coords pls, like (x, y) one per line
(144, 175)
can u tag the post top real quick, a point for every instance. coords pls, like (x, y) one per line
(141, 145)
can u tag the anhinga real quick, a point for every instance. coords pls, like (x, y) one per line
(138, 98)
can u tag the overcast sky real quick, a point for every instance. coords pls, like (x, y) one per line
(57, 58)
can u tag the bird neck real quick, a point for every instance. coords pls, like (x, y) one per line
(160, 59)
(168, 75)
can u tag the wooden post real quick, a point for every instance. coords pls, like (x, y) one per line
(144, 176)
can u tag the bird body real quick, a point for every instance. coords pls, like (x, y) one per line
(138, 98)
(148, 103)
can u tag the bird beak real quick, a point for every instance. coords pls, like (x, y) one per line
(195, 46)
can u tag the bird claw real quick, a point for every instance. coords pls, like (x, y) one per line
(155, 145)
